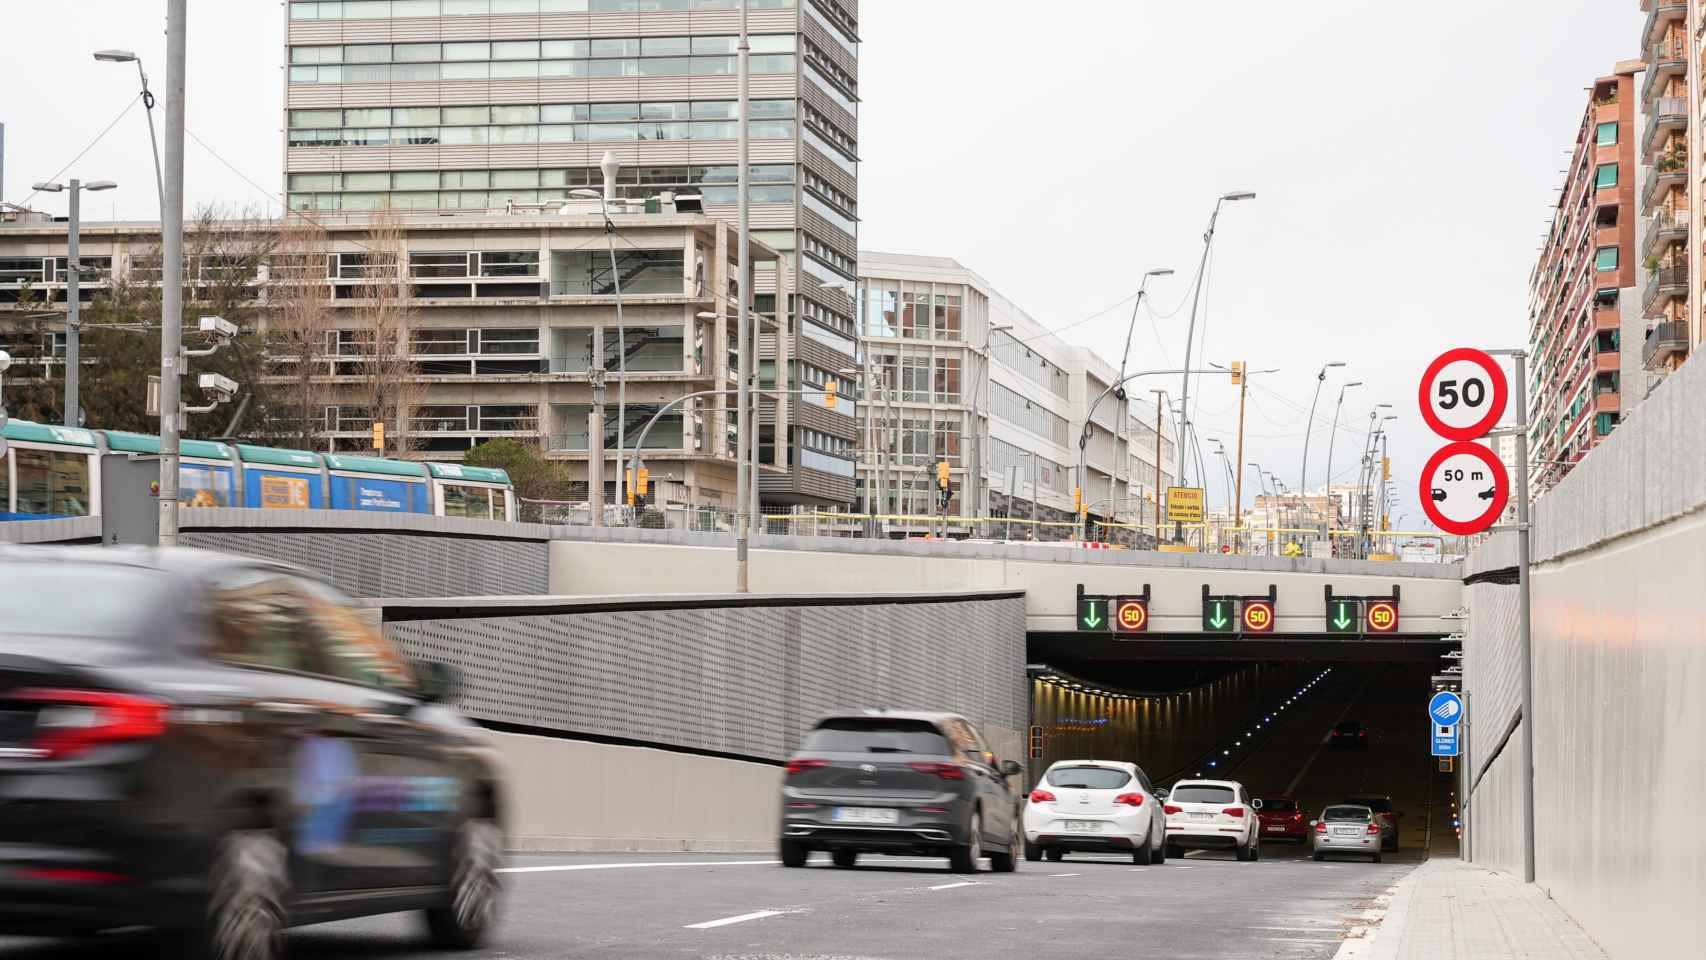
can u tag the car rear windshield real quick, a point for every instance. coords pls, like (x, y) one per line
(1278, 806)
(1346, 813)
(1201, 793)
(1350, 726)
(1377, 804)
(1088, 778)
(76, 599)
(876, 735)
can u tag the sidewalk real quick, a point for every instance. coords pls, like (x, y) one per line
(1450, 910)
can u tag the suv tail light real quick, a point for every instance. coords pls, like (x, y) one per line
(947, 771)
(1233, 811)
(802, 764)
(1041, 796)
(70, 722)
(1170, 808)
(1320, 826)
(1373, 829)
(1298, 815)
(1130, 799)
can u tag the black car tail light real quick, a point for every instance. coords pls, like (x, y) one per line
(71, 722)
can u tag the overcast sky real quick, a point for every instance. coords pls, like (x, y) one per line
(1405, 158)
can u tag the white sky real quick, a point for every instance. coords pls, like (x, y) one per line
(1405, 158)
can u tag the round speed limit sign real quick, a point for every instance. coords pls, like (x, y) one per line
(1464, 488)
(1463, 394)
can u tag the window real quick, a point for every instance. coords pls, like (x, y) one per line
(1605, 259)
(52, 484)
(1605, 176)
(1606, 134)
(1088, 778)
(522, 263)
(351, 647)
(436, 264)
(256, 621)
(1202, 793)
(876, 735)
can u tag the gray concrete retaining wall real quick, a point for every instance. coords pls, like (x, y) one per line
(1619, 593)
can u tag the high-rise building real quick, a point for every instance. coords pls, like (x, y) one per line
(1669, 261)
(958, 373)
(484, 105)
(1585, 310)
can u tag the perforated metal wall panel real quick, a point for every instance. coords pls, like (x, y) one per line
(738, 680)
(366, 563)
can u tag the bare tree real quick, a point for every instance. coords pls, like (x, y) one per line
(389, 386)
(299, 315)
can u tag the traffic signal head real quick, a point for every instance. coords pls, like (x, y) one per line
(643, 481)
(1237, 373)
(829, 393)
(942, 474)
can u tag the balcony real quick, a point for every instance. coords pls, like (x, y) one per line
(1667, 114)
(1661, 179)
(1667, 58)
(1664, 13)
(1664, 228)
(1664, 285)
(1666, 340)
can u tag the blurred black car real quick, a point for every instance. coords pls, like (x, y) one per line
(222, 747)
(1349, 734)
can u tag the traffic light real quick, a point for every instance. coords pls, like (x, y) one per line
(942, 474)
(1385, 468)
(1078, 500)
(643, 482)
(1237, 373)
(829, 393)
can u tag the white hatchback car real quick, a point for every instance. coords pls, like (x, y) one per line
(1212, 815)
(1094, 805)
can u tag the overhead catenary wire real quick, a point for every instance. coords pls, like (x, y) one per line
(131, 102)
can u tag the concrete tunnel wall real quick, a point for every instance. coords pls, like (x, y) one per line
(1619, 596)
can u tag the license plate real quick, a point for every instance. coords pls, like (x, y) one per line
(1347, 833)
(1276, 829)
(1082, 826)
(865, 815)
(1202, 816)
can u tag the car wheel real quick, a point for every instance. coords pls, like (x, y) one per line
(1319, 857)
(1055, 854)
(1377, 858)
(793, 853)
(1158, 851)
(475, 854)
(1175, 851)
(248, 888)
(1006, 861)
(1244, 854)
(844, 858)
(1033, 852)
(964, 858)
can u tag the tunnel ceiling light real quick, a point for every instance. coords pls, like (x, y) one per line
(1226, 753)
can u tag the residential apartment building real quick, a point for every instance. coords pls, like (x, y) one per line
(957, 372)
(500, 314)
(1586, 311)
(446, 105)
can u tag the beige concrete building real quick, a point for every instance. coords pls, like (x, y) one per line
(500, 319)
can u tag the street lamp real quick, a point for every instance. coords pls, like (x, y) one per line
(1309, 425)
(1141, 288)
(609, 166)
(1333, 435)
(73, 292)
(126, 56)
(1196, 294)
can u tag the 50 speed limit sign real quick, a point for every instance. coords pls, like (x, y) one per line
(1463, 394)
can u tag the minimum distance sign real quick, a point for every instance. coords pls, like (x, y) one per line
(1463, 488)
(1463, 394)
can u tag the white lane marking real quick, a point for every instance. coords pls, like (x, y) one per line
(755, 915)
(558, 868)
(1295, 940)
(1066, 874)
(950, 886)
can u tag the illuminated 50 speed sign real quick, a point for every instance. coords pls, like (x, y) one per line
(1463, 394)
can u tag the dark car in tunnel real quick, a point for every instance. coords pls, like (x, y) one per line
(222, 747)
(1348, 735)
(889, 781)
(1282, 819)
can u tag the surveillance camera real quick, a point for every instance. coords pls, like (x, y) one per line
(219, 328)
(5, 361)
(218, 388)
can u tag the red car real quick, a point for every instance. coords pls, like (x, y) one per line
(1282, 819)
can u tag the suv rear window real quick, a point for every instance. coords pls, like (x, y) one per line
(1359, 814)
(78, 599)
(876, 735)
(1278, 806)
(1377, 804)
(1088, 778)
(1201, 793)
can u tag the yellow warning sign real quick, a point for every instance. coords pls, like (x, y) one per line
(1184, 504)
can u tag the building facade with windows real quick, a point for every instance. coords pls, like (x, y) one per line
(499, 314)
(952, 370)
(446, 105)
(1588, 308)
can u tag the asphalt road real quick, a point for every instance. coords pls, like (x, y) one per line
(1207, 905)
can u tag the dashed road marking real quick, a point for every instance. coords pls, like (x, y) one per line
(1066, 874)
(950, 886)
(742, 918)
(560, 868)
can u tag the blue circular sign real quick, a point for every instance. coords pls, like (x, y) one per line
(1446, 708)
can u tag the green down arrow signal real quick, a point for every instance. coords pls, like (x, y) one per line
(1342, 621)
(1219, 619)
(1091, 618)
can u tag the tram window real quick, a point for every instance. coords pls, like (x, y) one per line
(460, 501)
(53, 484)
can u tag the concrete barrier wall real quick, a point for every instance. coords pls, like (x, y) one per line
(1619, 595)
(566, 795)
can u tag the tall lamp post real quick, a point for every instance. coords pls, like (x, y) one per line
(1333, 433)
(1309, 428)
(610, 166)
(72, 415)
(126, 56)
(1191, 330)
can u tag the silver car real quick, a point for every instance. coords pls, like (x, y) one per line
(1347, 828)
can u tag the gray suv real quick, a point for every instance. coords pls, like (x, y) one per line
(891, 781)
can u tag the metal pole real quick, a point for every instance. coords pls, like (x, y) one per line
(172, 272)
(1190, 335)
(743, 323)
(73, 304)
(1524, 621)
(154, 144)
(1238, 475)
(1157, 468)
(1332, 437)
(610, 167)
(1467, 775)
(1308, 432)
